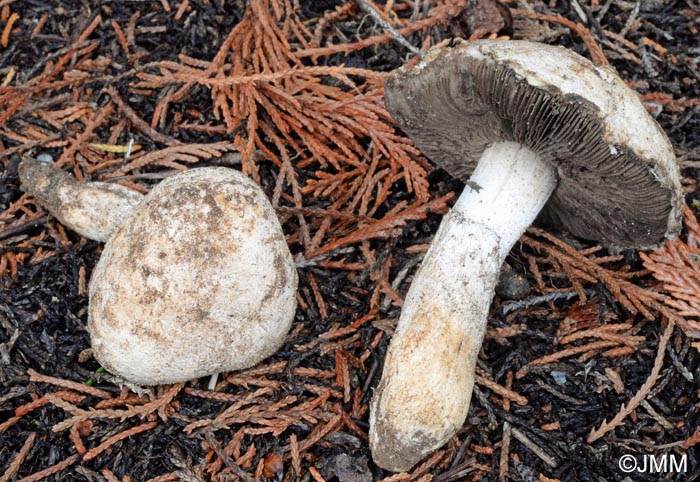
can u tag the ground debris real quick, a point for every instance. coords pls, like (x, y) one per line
(600, 360)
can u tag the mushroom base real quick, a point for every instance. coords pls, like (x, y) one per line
(423, 397)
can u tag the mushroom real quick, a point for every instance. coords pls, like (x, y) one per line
(196, 279)
(538, 128)
(94, 210)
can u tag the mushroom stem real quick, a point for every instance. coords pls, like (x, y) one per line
(424, 394)
(92, 209)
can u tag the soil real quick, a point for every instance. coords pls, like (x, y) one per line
(303, 413)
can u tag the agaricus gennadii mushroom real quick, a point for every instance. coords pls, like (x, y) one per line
(198, 279)
(542, 129)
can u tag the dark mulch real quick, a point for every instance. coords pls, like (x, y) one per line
(43, 311)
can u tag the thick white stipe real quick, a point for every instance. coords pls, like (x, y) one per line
(429, 369)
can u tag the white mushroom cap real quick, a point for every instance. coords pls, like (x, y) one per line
(198, 280)
(619, 182)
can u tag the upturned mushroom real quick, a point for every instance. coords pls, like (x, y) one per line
(533, 129)
(196, 277)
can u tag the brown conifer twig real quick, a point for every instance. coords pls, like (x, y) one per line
(92, 453)
(37, 377)
(54, 469)
(16, 464)
(644, 390)
(367, 6)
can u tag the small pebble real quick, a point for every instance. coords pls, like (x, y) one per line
(512, 285)
(45, 158)
(559, 377)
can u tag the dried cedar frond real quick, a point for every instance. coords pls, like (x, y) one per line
(677, 265)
